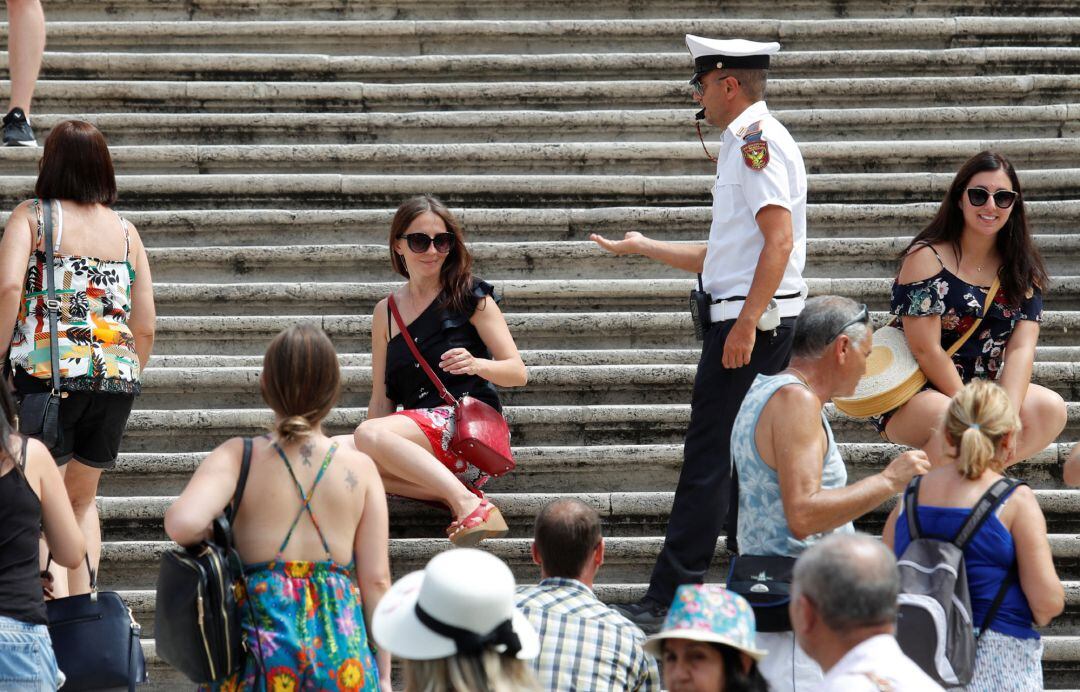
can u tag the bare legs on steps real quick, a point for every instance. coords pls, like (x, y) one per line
(917, 423)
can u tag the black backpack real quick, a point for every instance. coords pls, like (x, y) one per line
(934, 622)
(196, 619)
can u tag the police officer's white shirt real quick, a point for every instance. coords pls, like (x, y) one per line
(739, 193)
(877, 665)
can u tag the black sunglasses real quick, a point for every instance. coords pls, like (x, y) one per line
(699, 87)
(420, 242)
(863, 317)
(1003, 199)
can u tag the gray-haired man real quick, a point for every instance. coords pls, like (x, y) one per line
(793, 483)
(843, 609)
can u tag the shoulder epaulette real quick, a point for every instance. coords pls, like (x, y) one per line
(753, 132)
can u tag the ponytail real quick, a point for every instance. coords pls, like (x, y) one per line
(976, 424)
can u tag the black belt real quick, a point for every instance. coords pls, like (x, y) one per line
(786, 296)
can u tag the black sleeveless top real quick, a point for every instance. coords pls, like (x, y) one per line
(436, 331)
(21, 597)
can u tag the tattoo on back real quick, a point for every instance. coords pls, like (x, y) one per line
(350, 479)
(305, 451)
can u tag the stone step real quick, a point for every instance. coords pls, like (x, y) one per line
(857, 222)
(249, 335)
(310, 190)
(424, 37)
(512, 67)
(133, 564)
(298, 96)
(538, 126)
(232, 387)
(592, 158)
(520, 295)
(861, 260)
(552, 469)
(644, 356)
(180, 430)
(555, 9)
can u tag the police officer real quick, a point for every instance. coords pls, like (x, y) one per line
(751, 268)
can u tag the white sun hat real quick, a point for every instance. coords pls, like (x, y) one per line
(461, 603)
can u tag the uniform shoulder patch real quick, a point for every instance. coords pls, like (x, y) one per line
(756, 154)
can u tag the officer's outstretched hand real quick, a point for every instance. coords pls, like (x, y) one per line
(739, 344)
(629, 245)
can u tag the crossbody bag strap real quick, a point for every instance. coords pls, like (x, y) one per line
(51, 304)
(241, 482)
(446, 396)
(986, 308)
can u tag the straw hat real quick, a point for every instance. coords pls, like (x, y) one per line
(892, 377)
(709, 613)
(461, 603)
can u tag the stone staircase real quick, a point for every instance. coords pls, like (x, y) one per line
(262, 147)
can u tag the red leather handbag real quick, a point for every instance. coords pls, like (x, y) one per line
(481, 435)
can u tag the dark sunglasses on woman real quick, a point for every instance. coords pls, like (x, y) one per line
(420, 242)
(1003, 199)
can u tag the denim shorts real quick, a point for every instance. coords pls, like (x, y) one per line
(27, 662)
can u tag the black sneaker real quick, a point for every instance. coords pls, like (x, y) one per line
(646, 614)
(17, 130)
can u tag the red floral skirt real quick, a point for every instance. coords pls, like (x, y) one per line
(438, 426)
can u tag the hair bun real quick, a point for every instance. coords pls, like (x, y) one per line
(292, 428)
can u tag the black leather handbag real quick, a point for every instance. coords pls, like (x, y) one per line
(196, 621)
(764, 581)
(96, 640)
(39, 413)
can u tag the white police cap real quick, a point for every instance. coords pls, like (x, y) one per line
(736, 53)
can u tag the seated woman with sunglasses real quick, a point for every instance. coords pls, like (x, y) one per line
(980, 232)
(456, 323)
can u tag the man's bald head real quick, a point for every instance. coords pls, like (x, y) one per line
(851, 580)
(566, 534)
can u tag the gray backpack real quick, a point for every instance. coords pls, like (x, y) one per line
(934, 624)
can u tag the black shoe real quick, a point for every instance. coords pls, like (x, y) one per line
(17, 130)
(646, 614)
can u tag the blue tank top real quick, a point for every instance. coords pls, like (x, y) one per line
(988, 558)
(763, 528)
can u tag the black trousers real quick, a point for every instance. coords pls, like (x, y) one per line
(707, 496)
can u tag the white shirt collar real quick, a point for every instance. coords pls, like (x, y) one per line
(753, 113)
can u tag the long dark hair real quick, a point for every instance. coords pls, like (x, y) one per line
(1022, 268)
(456, 273)
(76, 165)
(737, 680)
(8, 428)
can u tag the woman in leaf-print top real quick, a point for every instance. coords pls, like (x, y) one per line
(979, 232)
(105, 321)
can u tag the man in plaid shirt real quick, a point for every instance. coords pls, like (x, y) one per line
(584, 644)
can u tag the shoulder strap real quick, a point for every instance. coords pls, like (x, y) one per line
(241, 482)
(911, 508)
(51, 304)
(986, 308)
(999, 597)
(446, 396)
(983, 508)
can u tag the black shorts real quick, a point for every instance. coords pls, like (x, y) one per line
(91, 423)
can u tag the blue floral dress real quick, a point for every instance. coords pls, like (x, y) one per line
(959, 304)
(303, 621)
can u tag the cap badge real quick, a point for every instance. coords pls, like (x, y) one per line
(756, 155)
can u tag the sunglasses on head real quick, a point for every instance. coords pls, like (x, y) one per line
(863, 317)
(1003, 199)
(420, 242)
